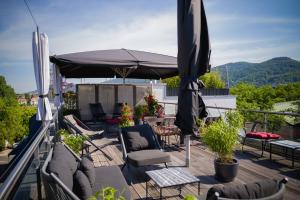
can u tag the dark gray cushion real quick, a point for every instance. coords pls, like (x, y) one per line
(87, 167)
(113, 177)
(148, 157)
(82, 187)
(145, 131)
(260, 189)
(63, 165)
(136, 141)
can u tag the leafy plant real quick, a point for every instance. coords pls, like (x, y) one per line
(152, 103)
(139, 111)
(108, 193)
(221, 136)
(190, 197)
(75, 142)
(126, 116)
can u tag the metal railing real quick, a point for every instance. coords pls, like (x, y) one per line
(265, 113)
(31, 156)
(204, 91)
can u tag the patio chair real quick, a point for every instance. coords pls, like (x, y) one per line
(141, 148)
(117, 110)
(74, 128)
(97, 111)
(66, 176)
(262, 190)
(262, 137)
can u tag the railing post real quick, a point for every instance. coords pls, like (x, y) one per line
(38, 172)
(265, 122)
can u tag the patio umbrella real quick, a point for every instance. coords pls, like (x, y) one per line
(193, 61)
(40, 53)
(122, 63)
(57, 86)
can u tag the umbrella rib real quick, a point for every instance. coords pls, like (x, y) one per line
(137, 61)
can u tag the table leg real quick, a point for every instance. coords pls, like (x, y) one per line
(270, 151)
(160, 193)
(146, 189)
(293, 151)
(199, 188)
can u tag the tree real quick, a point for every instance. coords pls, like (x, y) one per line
(212, 80)
(14, 119)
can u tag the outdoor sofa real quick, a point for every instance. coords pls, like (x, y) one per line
(66, 176)
(140, 146)
(267, 189)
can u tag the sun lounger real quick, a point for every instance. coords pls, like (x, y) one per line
(75, 128)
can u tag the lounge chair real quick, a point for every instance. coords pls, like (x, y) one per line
(140, 147)
(117, 110)
(97, 111)
(262, 190)
(66, 176)
(75, 128)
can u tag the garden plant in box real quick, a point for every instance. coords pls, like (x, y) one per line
(222, 137)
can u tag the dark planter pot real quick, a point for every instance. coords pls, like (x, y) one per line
(138, 121)
(226, 172)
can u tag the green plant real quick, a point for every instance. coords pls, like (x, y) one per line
(126, 116)
(221, 136)
(139, 111)
(75, 142)
(108, 193)
(190, 197)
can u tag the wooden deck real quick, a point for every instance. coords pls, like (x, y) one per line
(252, 168)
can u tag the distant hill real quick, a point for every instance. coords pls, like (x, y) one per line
(274, 71)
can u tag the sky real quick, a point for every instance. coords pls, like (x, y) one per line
(240, 30)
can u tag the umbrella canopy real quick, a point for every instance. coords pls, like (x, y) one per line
(116, 62)
(193, 61)
(40, 53)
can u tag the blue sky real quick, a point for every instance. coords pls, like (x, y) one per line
(240, 30)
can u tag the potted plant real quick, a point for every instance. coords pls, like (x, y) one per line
(151, 104)
(126, 116)
(222, 137)
(75, 142)
(139, 113)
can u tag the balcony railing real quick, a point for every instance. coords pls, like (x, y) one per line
(204, 92)
(24, 173)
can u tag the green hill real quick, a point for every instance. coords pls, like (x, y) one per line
(274, 71)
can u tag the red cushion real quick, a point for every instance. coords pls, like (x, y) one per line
(262, 135)
(258, 135)
(113, 121)
(273, 136)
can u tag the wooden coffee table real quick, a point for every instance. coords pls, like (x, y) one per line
(171, 177)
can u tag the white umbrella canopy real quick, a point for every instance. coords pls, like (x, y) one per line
(40, 53)
(57, 83)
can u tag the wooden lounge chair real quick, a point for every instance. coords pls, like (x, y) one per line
(75, 128)
(140, 147)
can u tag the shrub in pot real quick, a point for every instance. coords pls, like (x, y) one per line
(222, 137)
(75, 142)
(126, 116)
(139, 111)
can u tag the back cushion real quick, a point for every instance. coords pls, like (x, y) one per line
(255, 190)
(145, 133)
(63, 164)
(136, 141)
(87, 167)
(82, 187)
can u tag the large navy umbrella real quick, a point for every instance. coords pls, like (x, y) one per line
(193, 61)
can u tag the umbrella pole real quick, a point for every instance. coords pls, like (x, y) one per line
(187, 143)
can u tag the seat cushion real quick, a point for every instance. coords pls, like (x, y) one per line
(82, 187)
(260, 189)
(136, 141)
(111, 177)
(87, 167)
(262, 135)
(148, 157)
(63, 164)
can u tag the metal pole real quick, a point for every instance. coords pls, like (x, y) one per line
(265, 122)
(187, 142)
